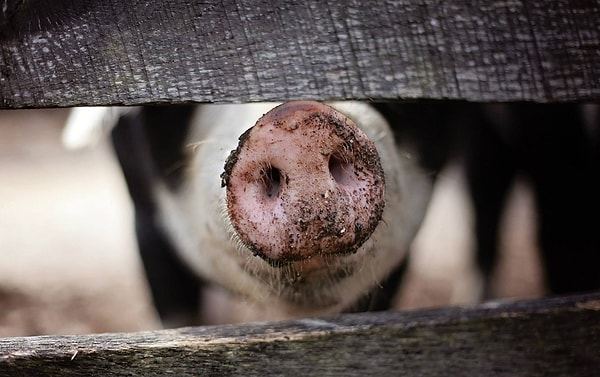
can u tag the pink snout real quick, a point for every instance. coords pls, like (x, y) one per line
(305, 181)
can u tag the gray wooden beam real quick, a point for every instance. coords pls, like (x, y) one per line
(553, 337)
(88, 52)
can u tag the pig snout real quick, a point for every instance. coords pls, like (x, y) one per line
(304, 182)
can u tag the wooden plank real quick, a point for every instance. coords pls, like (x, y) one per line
(553, 337)
(88, 52)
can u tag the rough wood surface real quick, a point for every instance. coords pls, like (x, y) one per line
(552, 337)
(88, 52)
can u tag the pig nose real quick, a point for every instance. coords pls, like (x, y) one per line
(305, 181)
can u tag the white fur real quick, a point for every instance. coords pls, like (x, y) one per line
(86, 126)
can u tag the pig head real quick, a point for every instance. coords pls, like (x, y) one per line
(304, 208)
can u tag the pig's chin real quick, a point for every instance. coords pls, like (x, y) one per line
(312, 282)
(306, 261)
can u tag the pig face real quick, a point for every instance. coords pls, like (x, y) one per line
(304, 210)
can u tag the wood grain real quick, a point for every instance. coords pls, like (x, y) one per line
(87, 52)
(552, 337)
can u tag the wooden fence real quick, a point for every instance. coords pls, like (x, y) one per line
(85, 52)
(551, 337)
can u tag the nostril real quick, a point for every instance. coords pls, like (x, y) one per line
(271, 181)
(341, 170)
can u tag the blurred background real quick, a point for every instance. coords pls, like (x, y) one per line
(69, 263)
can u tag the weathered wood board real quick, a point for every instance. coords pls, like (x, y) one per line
(553, 337)
(88, 52)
